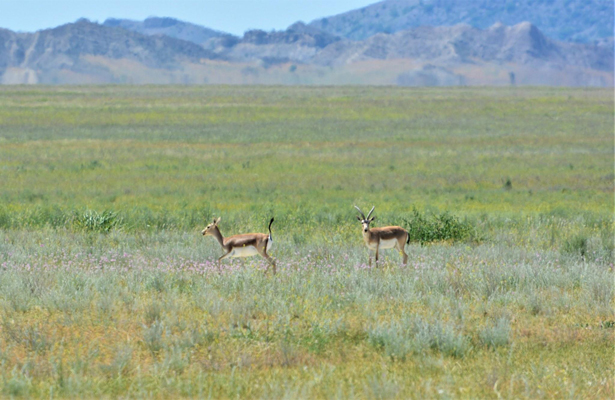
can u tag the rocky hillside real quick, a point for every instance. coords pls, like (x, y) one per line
(522, 44)
(299, 43)
(167, 26)
(564, 20)
(70, 47)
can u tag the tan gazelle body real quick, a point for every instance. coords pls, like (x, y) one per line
(243, 245)
(387, 237)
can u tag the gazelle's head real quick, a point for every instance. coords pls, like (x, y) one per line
(365, 221)
(211, 227)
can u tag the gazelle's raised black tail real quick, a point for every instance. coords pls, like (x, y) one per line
(408, 239)
(270, 222)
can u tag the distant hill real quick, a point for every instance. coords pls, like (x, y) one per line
(167, 26)
(70, 48)
(565, 20)
(436, 51)
(522, 44)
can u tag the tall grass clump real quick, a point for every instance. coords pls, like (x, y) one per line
(496, 335)
(577, 245)
(153, 336)
(445, 338)
(398, 339)
(94, 221)
(393, 340)
(18, 385)
(381, 387)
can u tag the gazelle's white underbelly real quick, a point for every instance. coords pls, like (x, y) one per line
(384, 244)
(247, 251)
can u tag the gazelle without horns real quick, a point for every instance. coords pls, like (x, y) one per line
(383, 238)
(244, 245)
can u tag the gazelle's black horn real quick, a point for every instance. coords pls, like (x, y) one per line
(361, 212)
(370, 213)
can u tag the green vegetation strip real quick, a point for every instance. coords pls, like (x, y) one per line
(107, 288)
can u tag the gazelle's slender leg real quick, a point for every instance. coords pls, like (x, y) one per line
(227, 255)
(377, 248)
(402, 252)
(270, 260)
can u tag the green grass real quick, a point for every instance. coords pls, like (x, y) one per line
(107, 288)
(183, 152)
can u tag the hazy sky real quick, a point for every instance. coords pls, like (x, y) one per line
(234, 16)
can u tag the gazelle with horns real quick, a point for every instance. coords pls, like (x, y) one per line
(244, 245)
(383, 238)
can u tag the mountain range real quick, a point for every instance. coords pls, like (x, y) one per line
(326, 51)
(566, 20)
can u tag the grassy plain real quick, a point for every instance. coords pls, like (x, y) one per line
(107, 289)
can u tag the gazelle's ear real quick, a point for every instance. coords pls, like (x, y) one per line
(218, 220)
(371, 219)
(359, 218)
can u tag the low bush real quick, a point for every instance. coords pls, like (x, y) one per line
(436, 228)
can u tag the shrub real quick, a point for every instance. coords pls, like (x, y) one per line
(435, 228)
